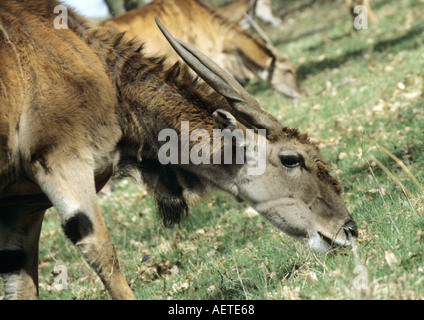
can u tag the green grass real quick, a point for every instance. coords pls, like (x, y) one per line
(362, 84)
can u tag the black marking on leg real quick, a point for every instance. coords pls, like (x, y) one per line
(12, 260)
(78, 227)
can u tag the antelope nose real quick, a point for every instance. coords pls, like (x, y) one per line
(351, 226)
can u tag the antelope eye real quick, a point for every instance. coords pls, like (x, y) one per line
(287, 71)
(291, 161)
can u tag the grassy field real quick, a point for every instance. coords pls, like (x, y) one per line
(365, 105)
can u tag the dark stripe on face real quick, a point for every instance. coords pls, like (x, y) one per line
(42, 161)
(78, 227)
(12, 260)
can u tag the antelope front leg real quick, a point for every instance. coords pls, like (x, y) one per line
(69, 184)
(89, 233)
(19, 236)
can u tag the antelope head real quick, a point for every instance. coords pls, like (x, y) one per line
(281, 73)
(294, 190)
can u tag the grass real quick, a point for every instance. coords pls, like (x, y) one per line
(365, 105)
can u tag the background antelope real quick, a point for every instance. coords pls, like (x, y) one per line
(262, 9)
(82, 104)
(234, 10)
(236, 50)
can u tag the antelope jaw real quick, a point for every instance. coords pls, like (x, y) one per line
(321, 244)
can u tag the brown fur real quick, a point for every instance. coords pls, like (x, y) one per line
(261, 9)
(232, 10)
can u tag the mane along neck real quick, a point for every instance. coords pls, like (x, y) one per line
(150, 99)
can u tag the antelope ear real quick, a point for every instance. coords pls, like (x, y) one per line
(225, 120)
